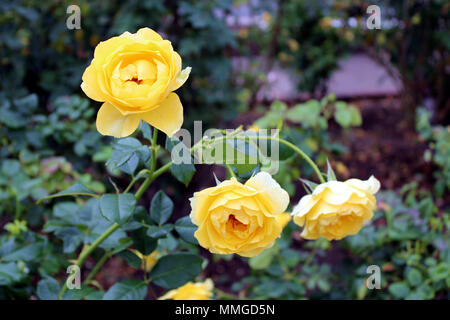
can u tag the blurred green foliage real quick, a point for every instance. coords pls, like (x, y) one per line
(305, 125)
(438, 139)
(412, 44)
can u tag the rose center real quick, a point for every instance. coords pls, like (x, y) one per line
(134, 79)
(138, 72)
(236, 224)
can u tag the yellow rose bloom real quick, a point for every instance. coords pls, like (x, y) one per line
(135, 74)
(191, 291)
(336, 209)
(148, 262)
(254, 128)
(283, 219)
(240, 218)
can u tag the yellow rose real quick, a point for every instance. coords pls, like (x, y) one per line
(134, 74)
(284, 219)
(336, 209)
(240, 218)
(191, 291)
(148, 262)
(254, 128)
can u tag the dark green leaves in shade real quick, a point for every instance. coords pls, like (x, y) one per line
(127, 290)
(174, 270)
(161, 208)
(117, 207)
(127, 154)
(74, 190)
(48, 289)
(183, 172)
(143, 243)
(186, 229)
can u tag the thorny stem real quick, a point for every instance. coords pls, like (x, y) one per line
(282, 141)
(150, 177)
(97, 267)
(85, 253)
(311, 256)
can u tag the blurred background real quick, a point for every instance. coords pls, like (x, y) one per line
(374, 101)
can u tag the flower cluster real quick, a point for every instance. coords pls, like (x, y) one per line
(134, 75)
(247, 218)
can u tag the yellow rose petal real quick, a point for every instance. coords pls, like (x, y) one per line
(283, 219)
(110, 122)
(168, 117)
(90, 86)
(105, 49)
(181, 78)
(148, 34)
(191, 291)
(274, 198)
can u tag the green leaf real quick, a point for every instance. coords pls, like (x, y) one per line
(186, 229)
(440, 272)
(307, 113)
(79, 294)
(11, 168)
(132, 259)
(264, 259)
(117, 208)
(290, 257)
(324, 285)
(127, 290)
(9, 273)
(423, 292)
(159, 231)
(28, 103)
(343, 115)
(95, 295)
(161, 208)
(143, 243)
(48, 289)
(183, 172)
(399, 290)
(168, 243)
(27, 253)
(285, 152)
(330, 172)
(174, 270)
(355, 115)
(278, 106)
(146, 130)
(414, 277)
(242, 155)
(127, 154)
(74, 191)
